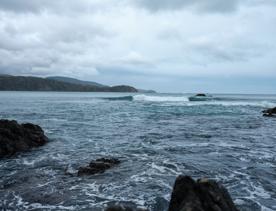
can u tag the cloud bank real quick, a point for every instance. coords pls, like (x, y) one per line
(149, 43)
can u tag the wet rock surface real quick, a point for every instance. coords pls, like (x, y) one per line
(98, 166)
(15, 137)
(200, 195)
(271, 112)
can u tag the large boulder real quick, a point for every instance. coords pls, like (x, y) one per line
(270, 112)
(15, 137)
(98, 166)
(201, 195)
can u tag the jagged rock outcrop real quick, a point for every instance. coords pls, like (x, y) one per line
(15, 137)
(271, 112)
(98, 166)
(200, 195)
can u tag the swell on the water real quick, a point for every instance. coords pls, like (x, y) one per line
(149, 98)
(127, 98)
(187, 102)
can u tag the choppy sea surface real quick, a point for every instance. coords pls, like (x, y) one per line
(156, 136)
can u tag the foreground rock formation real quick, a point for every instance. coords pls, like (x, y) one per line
(201, 195)
(191, 195)
(187, 195)
(98, 166)
(271, 112)
(15, 137)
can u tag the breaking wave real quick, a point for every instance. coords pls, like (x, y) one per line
(127, 98)
(184, 100)
(160, 98)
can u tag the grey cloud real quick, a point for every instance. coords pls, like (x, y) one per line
(214, 52)
(200, 5)
(65, 7)
(72, 6)
(34, 6)
(133, 59)
(75, 7)
(24, 6)
(122, 39)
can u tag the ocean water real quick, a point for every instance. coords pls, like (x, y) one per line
(156, 136)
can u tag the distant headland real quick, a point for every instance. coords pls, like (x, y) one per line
(58, 83)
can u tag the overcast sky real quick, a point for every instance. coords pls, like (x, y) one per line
(166, 45)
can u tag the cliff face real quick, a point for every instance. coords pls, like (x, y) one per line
(20, 83)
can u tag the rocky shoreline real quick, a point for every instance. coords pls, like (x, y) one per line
(15, 137)
(187, 194)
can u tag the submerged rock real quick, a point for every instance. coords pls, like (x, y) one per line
(15, 137)
(98, 166)
(271, 112)
(201, 195)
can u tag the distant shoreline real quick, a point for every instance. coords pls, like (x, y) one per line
(28, 83)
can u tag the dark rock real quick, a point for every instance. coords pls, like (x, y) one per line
(16, 137)
(269, 115)
(201, 95)
(271, 112)
(98, 166)
(201, 195)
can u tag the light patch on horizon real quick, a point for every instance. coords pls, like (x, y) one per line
(113, 42)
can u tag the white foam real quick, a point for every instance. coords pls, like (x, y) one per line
(28, 163)
(260, 192)
(51, 207)
(161, 169)
(239, 202)
(184, 100)
(236, 103)
(19, 200)
(160, 98)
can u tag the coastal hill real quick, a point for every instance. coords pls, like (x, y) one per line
(80, 82)
(75, 81)
(28, 83)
